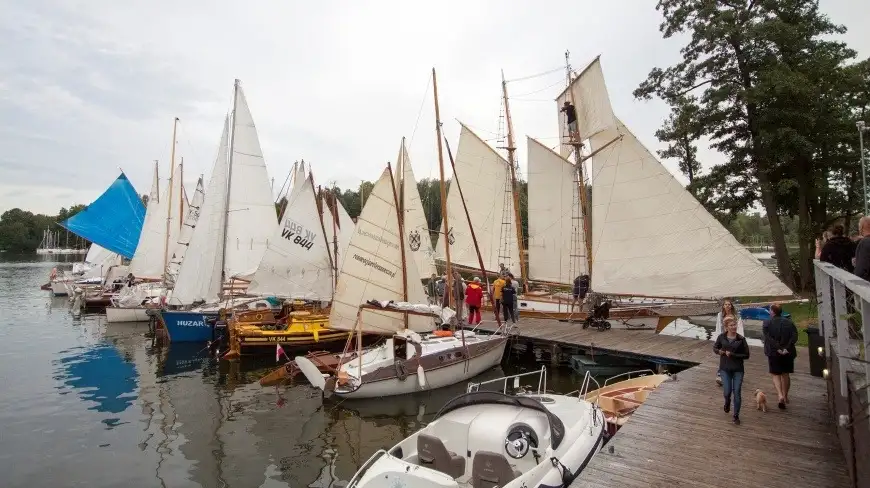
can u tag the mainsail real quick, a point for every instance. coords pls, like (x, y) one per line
(150, 257)
(186, 231)
(588, 94)
(296, 263)
(556, 250)
(485, 179)
(417, 237)
(339, 229)
(373, 269)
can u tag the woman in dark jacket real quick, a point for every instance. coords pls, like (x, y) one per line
(508, 297)
(732, 350)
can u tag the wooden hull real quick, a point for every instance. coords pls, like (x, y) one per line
(259, 331)
(619, 400)
(545, 307)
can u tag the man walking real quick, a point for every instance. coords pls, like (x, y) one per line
(862, 251)
(780, 337)
(839, 250)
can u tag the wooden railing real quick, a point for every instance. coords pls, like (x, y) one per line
(844, 303)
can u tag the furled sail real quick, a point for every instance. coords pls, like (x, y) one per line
(485, 179)
(114, 220)
(251, 217)
(588, 93)
(373, 269)
(199, 276)
(296, 263)
(557, 252)
(417, 237)
(186, 233)
(652, 237)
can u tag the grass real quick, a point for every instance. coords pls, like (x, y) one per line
(804, 314)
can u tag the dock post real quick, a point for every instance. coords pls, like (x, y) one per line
(555, 355)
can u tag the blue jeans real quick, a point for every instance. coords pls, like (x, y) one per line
(732, 382)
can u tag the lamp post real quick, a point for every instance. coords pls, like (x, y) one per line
(860, 125)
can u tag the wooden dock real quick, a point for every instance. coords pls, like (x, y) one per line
(682, 437)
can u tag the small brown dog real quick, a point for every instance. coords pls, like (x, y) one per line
(760, 400)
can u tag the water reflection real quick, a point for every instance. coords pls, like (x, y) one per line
(99, 374)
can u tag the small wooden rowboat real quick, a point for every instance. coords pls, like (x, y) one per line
(620, 399)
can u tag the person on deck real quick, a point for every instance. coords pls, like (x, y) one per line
(728, 310)
(474, 298)
(440, 285)
(518, 286)
(432, 288)
(458, 294)
(130, 280)
(581, 288)
(839, 250)
(508, 299)
(862, 250)
(497, 287)
(732, 350)
(780, 337)
(571, 115)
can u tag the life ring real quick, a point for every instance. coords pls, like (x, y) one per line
(442, 333)
(401, 372)
(258, 317)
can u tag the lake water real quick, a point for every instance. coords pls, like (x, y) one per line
(85, 403)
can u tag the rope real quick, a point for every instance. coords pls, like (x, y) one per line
(420, 112)
(560, 68)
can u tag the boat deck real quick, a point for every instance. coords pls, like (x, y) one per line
(681, 437)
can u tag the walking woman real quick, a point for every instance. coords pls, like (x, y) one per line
(728, 310)
(508, 296)
(732, 350)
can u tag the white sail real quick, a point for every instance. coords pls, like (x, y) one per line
(251, 212)
(588, 94)
(97, 254)
(485, 179)
(148, 259)
(338, 231)
(296, 263)
(557, 252)
(199, 277)
(417, 237)
(652, 237)
(299, 177)
(177, 211)
(186, 232)
(373, 269)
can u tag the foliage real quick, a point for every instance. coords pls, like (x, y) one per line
(773, 91)
(22, 231)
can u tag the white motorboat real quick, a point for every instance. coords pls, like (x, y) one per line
(492, 439)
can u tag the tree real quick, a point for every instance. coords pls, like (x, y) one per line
(681, 130)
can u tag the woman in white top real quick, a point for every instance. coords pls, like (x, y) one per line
(728, 309)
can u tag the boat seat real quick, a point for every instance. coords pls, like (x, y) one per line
(491, 470)
(432, 454)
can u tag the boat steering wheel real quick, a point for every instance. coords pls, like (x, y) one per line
(520, 440)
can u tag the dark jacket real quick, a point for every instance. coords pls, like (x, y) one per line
(509, 294)
(779, 333)
(739, 352)
(839, 251)
(862, 258)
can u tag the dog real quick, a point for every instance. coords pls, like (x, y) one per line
(760, 400)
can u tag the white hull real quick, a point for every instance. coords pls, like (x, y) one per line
(126, 314)
(437, 378)
(59, 288)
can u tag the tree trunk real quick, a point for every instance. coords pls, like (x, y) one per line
(806, 233)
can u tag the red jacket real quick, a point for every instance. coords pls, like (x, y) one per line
(473, 294)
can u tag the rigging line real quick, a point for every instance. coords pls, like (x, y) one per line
(531, 100)
(554, 70)
(560, 82)
(420, 112)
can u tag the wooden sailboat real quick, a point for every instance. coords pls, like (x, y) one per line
(411, 359)
(620, 399)
(645, 242)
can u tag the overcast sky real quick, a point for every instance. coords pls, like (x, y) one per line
(87, 87)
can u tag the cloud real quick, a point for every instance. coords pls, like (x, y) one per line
(90, 87)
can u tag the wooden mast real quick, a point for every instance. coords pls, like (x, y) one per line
(169, 200)
(581, 183)
(401, 219)
(516, 192)
(444, 217)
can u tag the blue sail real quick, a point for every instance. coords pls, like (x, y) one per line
(113, 221)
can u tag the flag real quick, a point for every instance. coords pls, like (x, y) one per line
(278, 352)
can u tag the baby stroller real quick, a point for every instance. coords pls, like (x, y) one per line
(600, 314)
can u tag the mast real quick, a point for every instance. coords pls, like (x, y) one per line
(169, 200)
(516, 193)
(581, 183)
(401, 219)
(449, 288)
(181, 195)
(229, 183)
(401, 175)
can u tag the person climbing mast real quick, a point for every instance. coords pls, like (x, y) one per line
(571, 115)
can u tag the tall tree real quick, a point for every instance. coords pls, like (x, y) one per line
(681, 131)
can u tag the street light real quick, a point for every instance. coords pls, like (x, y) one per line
(860, 125)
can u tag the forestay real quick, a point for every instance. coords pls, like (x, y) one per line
(485, 179)
(199, 277)
(296, 263)
(557, 252)
(251, 217)
(373, 269)
(651, 236)
(417, 237)
(588, 94)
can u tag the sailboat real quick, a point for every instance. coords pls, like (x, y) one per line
(640, 236)
(379, 293)
(185, 234)
(236, 221)
(411, 209)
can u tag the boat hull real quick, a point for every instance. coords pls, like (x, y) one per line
(620, 318)
(127, 314)
(187, 326)
(436, 377)
(59, 289)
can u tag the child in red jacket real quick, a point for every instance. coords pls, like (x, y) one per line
(473, 298)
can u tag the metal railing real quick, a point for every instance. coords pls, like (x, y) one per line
(542, 381)
(639, 373)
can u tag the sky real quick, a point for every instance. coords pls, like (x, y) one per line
(89, 87)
